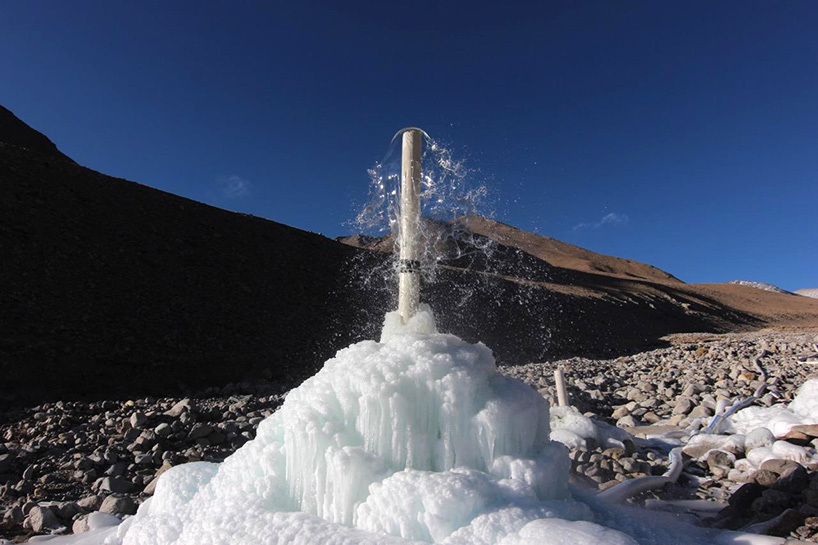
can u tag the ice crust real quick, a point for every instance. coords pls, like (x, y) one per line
(573, 429)
(780, 419)
(413, 439)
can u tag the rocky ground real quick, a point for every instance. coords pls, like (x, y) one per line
(61, 461)
(677, 388)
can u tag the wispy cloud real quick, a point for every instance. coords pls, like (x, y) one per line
(608, 219)
(234, 186)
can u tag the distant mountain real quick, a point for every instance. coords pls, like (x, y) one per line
(13, 131)
(808, 292)
(564, 255)
(759, 285)
(111, 288)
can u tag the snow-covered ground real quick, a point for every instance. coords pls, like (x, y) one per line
(759, 285)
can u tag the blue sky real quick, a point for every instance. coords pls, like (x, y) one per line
(682, 134)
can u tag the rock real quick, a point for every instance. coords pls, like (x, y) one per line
(759, 456)
(116, 485)
(93, 521)
(80, 525)
(793, 479)
(700, 444)
(90, 503)
(787, 522)
(810, 430)
(622, 410)
(744, 496)
(759, 437)
(719, 462)
(146, 440)
(42, 519)
(118, 505)
(200, 430)
(766, 477)
(163, 430)
(151, 486)
(67, 509)
(788, 451)
(771, 503)
(138, 419)
(683, 405)
(15, 514)
(179, 408)
(777, 466)
(811, 497)
(701, 411)
(5, 462)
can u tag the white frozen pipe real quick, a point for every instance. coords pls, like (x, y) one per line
(562, 391)
(409, 268)
(627, 489)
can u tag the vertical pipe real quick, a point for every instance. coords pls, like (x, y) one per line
(562, 391)
(409, 269)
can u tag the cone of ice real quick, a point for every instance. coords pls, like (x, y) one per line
(416, 437)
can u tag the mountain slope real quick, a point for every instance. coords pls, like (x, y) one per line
(109, 287)
(15, 132)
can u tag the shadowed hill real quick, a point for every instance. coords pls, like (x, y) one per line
(13, 131)
(111, 288)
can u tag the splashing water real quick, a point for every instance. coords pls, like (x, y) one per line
(448, 197)
(461, 270)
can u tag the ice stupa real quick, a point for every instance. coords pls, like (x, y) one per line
(416, 438)
(413, 439)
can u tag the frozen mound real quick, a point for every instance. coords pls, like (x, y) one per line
(573, 429)
(413, 439)
(780, 419)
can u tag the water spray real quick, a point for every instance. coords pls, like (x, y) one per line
(409, 265)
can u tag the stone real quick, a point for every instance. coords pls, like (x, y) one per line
(5, 462)
(793, 479)
(811, 497)
(81, 525)
(766, 478)
(789, 451)
(787, 522)
(777, 466)
(199, 431)
(42, 519)
(118, 505)
(179, 408)
(116, 485)
(163, 430)
(627, 422)
(67, 509)
(138, 419)
(151, 486)
(701, 411)
(90, 503)
(683, 406)
(771, 503)
(810, 430)
(15, 514)
(744, 496)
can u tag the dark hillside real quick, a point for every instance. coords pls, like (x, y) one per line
(111, 288)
